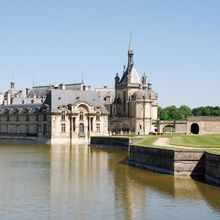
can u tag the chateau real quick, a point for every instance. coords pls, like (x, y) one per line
(72, 112)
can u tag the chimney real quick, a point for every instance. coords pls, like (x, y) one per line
(86, 88)
(62, 86)
(27, 91)
(20, 93)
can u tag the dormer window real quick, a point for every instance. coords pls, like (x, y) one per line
(81, 115)
(98, 116)
(63, 115)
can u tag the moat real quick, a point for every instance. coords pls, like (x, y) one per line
(80, 182)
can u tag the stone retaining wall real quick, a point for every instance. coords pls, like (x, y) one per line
(197, 164)
(176, 162)
(212, 166)
(113, 142)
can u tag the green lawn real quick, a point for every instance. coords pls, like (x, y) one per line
(201, 141)
(206, 142)
(148, 140)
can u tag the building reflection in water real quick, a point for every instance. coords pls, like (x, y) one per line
(79, 182)
(97, 182)
(24, 181)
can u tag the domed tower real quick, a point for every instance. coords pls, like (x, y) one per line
(11, 93)
(135, 105)
(126, 85)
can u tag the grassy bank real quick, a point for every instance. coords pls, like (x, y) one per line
(202, 142)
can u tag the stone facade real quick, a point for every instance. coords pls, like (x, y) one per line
(203, 125)
(134, 109)
(64, 116)
(131, 107)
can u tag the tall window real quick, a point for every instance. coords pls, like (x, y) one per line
(63, 115)
(91, 124)
(37, 117)
(63, 128)
(81, 115)
(98, 128)
(98, 116)
(124, 102)
(81, 128)
(74, 124)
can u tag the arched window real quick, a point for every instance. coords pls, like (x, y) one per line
(81, 128)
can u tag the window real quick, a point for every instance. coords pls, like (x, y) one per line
(32, 101)
(63, 128)
(98, 128)
(98, 117)
(140, 126)
(37, 117)
(81, 128)
(74, 124)
(81, 115)
(63, 115)
(91, 124)
(8, 117)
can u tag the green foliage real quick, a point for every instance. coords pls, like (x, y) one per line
(181, 113)
(174, 113)
(206, 111)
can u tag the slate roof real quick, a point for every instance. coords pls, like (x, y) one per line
(27, 100)
(12, 108)
(104, 92)
(58, 97)
(41, 91)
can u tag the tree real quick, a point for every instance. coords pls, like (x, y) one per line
(184, 111)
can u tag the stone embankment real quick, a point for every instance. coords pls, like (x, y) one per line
(176, 162)
(184, 162)
(212, 168)
(122, 143)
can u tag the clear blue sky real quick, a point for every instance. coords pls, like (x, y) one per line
(176, 42)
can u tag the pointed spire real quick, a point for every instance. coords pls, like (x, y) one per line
(82, 81)
(130, 54)
(130, 46)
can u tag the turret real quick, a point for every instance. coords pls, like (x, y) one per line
(12, 85)
(149, 86)
(144, 81)
(117, 79)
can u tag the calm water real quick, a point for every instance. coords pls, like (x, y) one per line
(78, 182)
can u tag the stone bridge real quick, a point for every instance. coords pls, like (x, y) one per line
(172, 126)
